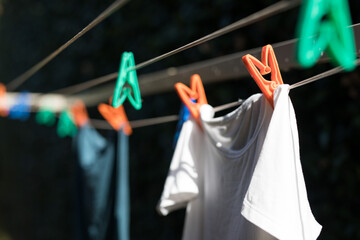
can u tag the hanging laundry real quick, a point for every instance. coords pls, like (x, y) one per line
(103, 185)
(95, 169)
(117, 118)
(122, 207)
(240, 177)
(184, 115)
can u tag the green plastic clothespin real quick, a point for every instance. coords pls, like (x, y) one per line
(66, 126)
(45, 117)
(332, 34)
(121, 92)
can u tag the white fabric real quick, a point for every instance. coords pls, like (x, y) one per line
(181, 183)
(241, 176)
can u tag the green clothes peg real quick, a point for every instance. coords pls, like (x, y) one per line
(332, 34)
(45, 117)
(129, 77)
(66, 126)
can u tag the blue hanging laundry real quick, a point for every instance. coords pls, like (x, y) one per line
(21, 110)
(103, 210)
(122, 206)
(183, 117)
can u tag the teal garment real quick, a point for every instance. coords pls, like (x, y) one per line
(103, 185)
(123, 193)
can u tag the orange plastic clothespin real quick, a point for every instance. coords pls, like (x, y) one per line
(116, 117)
(267, 65)
(80, 114)
(196, 92)
(4, 112)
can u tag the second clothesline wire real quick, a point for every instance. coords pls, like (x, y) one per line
(102, 124)
(252, 18)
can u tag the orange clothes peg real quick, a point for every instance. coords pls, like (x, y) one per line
(267, 65)
(196, 92)
(4, 112)
(116, 117)
(80, 114)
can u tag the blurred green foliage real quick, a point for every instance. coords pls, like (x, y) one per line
(37, 170)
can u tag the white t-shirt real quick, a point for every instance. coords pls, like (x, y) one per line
(240, 177)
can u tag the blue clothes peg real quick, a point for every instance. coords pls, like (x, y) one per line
(21, 110)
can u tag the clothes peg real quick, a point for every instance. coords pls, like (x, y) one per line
(80, 114)
(45, 117)
(66, 126)
(129, 77)
(333, 34)
(4, 111)
(267, 65)
(116, 117)
(196, 93)
(21, 110)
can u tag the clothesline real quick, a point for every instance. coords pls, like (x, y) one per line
(267, 12)
(253, 18)
(320, 76)
(272, 145)
(218, 69)
(29, 73)
(101, 124)
(260, 15)
(172, 75)
(213, 70)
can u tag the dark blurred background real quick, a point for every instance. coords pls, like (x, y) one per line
(37, 168)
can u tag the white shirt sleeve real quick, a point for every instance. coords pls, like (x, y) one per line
(276, 200)
(181, 183)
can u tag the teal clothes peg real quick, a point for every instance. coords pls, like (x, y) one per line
(66, 126)
(331, 34)
(46, 117)
(129, 77)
